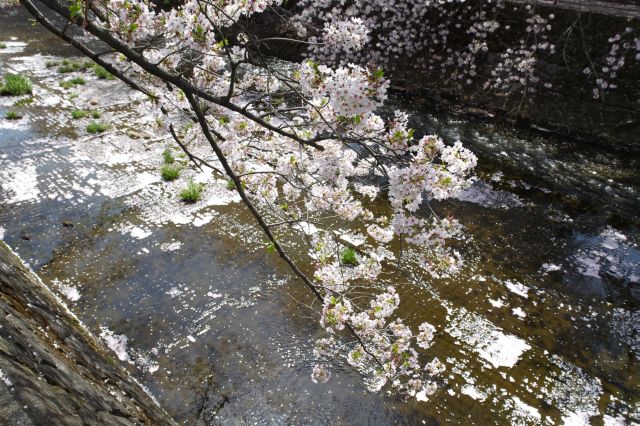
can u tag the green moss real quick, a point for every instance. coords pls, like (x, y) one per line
(97, 127)
(192, 192)
(78, 113)
(15, 85)
(102, 73)
(3, 46)
(13, 115)
(348, 256)
(170, 172)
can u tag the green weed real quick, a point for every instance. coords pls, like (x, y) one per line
(102, 73)
(97, 127)
(170, 172)
(67, 84)
(15, 85)
(348, 256)
(168, 156)
(78, 113)
(192, 192)
(13, 115)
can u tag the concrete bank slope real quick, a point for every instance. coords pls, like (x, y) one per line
(52, 370)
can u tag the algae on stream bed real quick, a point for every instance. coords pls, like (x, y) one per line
(541, 326)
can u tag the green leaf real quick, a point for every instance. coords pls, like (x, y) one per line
(75, 8)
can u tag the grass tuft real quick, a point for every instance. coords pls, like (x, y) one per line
(97, 127)
(348, 256)
(102, 73)
(192, 192)
(168, 156)
(78, 113)
(170, 172)
(68, 66)
(15, 85)
(72, 82)
(24, 102)
(13, 115)
(96, 114)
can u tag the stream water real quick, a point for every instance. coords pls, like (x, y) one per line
(541, 327)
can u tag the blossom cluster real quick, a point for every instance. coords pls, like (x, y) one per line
(621, 45)
(454, 38)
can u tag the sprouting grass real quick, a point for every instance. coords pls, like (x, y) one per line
(96, 114)
(67, 84)
(51, 64)
(170, 172)
(168, 156)
(97, 127)
(64, 69)
(348, 256)
(24, 102)
(15, 85)
(102, 73)
(231, 185)
(3, 46)
(13, 115)
(192, 192)
(68, 66)
(78, 113)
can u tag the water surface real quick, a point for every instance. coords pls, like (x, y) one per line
(542, 325)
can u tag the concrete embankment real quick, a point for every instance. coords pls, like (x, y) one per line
(52, 370)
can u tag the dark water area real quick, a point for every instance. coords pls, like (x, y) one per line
(541, 326)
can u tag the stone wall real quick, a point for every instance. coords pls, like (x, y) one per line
(567, 108)
(52, 371)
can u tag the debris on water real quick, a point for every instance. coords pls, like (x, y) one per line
(550, 267)
(485, 195)
(67, 290)
(171, 246)
(486, 339)
(116, 342)
(518, 312)
(517, 288)
(5, 379)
